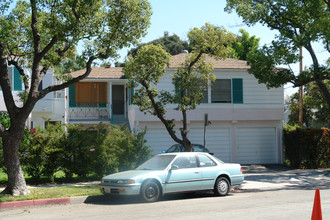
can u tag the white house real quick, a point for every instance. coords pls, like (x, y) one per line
(16, 85)
(245, 116)
(50, 107)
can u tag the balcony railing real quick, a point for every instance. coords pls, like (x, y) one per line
(90, 112)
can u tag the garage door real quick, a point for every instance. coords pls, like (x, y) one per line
(256, 145)
(217, 141)
(158, 139)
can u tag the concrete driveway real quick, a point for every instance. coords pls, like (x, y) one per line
(272, 177)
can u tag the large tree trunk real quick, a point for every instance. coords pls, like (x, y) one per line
(16, 183)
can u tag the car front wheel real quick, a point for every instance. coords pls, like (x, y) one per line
(221, 187)
(150, 191)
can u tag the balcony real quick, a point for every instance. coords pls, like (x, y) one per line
(90, 112)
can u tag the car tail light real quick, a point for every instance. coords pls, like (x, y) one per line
(241, 170)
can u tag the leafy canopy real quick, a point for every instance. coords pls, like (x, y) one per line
(300, 24)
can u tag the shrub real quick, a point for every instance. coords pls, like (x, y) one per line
(120, 150)
(307, 148)
(100, 150)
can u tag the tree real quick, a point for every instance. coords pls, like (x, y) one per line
(172, 44)
(70, 65)
(300, 24)
(148, 67)
(315, 112)
(245, 44)
(39, 35)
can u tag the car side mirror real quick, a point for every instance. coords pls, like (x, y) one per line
(174, 167)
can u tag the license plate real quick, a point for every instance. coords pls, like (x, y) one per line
(107, 189)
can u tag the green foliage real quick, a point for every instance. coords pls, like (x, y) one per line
(316, 112)
(307, 148)
(70, 64)
(172, 44)
(300, 24)
(147, 69)
(245, 44)
(80, 152)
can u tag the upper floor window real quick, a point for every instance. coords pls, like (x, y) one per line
(221, 91)
(227, 91)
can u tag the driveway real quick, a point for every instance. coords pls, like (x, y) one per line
(273, 177)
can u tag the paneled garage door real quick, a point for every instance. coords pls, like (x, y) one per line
(217, 140)
(256, 145)
(158, 139)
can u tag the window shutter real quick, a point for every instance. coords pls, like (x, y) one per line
(237, 90)
(72, 96)
(17, 80)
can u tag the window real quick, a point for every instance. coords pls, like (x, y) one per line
(227, 91)
(205, 161)
(88, 94)
(58, 94)
(184, 162)
(221, 91)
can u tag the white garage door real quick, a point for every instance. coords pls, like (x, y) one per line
(256, 145)
(217, 141)
(158, 139)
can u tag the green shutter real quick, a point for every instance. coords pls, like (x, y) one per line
(237, 89)
(72, 96)
(17, 80)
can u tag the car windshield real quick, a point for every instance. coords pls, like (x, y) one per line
(159, 162)
(199, 148)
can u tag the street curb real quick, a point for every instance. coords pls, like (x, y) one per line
(42, 202)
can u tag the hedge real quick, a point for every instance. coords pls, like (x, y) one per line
(307, 148)
(100, 150)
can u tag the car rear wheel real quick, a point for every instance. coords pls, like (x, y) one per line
(150, 191)
(221, 187)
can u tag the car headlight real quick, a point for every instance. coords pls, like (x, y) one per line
(125, 181)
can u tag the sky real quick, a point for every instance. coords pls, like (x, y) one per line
(179, 16)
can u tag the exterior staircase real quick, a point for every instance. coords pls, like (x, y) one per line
(119, 120)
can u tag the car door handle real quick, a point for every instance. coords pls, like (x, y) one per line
(196, 172)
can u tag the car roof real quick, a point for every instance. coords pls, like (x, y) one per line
(180, 153)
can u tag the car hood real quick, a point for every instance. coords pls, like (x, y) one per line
(133, 174)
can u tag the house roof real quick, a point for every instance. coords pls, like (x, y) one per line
(102, 73)
(176, 60)
(228, 63)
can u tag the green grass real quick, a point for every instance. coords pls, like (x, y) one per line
(54, 192)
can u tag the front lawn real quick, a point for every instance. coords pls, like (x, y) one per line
(54, 192)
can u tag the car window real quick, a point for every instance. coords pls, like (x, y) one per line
(159, 162)
(198, 148)
(185, 161)
(205, 161)
(174, 148)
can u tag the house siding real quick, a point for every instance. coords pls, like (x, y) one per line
(257, 111)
